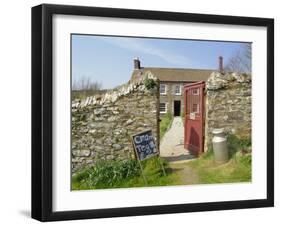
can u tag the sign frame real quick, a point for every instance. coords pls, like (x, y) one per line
(135, 150)
(150, 156)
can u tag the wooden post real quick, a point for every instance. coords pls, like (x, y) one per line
(137, 157)
(144, 178)
(164, 172)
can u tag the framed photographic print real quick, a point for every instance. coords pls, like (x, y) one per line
(146, 112)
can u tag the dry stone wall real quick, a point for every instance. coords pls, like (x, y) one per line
(102, 125)
(228, 105)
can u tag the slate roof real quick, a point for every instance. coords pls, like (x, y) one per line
(175, 74)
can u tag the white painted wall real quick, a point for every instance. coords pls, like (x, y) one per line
(15, 111)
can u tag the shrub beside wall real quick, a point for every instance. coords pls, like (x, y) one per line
(228, 105)
(102, 125)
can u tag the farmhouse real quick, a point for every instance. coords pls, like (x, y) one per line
(172, 81)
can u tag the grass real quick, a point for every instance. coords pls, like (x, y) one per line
(204, 170)
(124, 174)
(165, 124)
(238, 169)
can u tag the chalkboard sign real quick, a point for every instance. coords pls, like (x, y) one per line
(144, 145)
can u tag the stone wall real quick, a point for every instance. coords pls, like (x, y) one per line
(228, 105)
(102, 125)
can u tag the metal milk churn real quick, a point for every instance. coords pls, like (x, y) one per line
(220, 146)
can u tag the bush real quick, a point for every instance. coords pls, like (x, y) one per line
(124, 174)
(236, 144)
(153, 166)
(107, 173)
(149, 83)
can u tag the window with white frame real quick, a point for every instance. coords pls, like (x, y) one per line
(195, 108)
(163, 89)
(195, 92)
(177, 89)
(163, 107)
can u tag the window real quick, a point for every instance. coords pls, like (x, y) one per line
(195, 108)
(195, 92)
(162, 89)
(163, 107)
(177, 89)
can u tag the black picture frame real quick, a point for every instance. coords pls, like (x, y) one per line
(42, 111)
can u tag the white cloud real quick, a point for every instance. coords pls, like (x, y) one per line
(143, 47)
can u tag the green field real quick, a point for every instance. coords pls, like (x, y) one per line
(238, 168)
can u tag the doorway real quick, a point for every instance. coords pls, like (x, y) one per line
(177, 108)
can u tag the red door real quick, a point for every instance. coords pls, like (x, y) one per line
(194, 117)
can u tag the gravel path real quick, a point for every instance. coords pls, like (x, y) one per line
(171, 145)
(186, 173)
(172, 149)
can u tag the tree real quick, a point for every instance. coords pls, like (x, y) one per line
(241, 61)
(86, 83)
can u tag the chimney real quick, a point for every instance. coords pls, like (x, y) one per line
(136, 63)
(220, 64)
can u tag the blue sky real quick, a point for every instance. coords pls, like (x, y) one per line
(109, 60)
